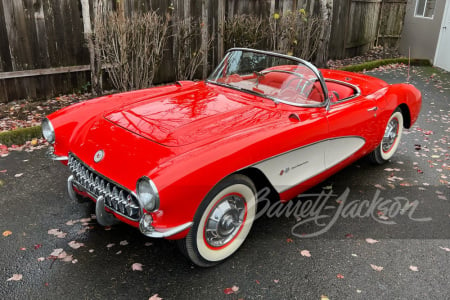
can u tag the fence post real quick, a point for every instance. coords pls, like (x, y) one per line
(221, 25)
(95, 81)
(205, 8)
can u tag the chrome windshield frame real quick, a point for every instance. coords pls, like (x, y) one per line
(314, 69)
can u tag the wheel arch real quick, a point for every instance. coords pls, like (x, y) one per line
(406, 115)
(260, 181)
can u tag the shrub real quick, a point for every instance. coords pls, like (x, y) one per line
(131, 49)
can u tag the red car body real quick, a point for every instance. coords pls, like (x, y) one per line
(187, 137)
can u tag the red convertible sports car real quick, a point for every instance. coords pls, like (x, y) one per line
(186, 161)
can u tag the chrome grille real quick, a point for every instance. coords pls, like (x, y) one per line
(116, 198)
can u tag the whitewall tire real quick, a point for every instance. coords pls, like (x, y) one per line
(222, 222)
(391, 139)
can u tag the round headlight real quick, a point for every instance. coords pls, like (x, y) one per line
(47, 131)
(147, 194)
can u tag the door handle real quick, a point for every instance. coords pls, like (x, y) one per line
(375, 108)
(294, 118)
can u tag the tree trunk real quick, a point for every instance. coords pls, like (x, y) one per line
(326, 12)
(95, 67)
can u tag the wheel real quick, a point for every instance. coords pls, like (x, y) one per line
(391, 139)
(222, 222)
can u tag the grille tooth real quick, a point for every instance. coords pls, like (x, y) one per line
(116, 198)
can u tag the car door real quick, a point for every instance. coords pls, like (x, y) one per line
(353, 129)
(302, 147)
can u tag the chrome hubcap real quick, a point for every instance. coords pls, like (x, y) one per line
(390, 135)
(225, 220)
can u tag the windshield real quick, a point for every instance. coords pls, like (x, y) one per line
(278, 77)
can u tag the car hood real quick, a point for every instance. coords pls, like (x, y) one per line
(198, 113)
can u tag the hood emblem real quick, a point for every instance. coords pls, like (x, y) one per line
(99, 155)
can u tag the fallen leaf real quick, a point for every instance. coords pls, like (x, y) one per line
(376, 268)
(413, 268)
(62, 255)
(37, 246)
(444, 248)
(289, 240)
(340, 276)
(18, 175)
(71, 222)
(15, 277)
(123, 243)
(136, 267)
(276, 280)
(380, 187)
(67, 258)
(371, 241)
(41, 259)
(56, 252)
(58, 233)
(305, 253)
(155, 297)
(323, 297)
(7, 233)
(110, 245)
(75, 245)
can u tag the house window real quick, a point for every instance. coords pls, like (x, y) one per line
(425, 8)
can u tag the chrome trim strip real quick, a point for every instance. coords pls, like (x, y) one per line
(357, 89)
(167, 233)
(50, 154)
(295, 149)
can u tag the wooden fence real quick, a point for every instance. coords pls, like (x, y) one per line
(42, 51)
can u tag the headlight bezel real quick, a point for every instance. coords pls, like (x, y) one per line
(147, 194)
(48, 131)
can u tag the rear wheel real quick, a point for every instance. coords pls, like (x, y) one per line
(391, 139)
(222, 222)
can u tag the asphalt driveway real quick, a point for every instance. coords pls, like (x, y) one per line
(53, 248)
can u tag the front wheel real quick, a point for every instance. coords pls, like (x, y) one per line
(222, 222)
(391, 139)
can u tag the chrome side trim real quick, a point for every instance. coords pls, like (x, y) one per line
(357, 89)
(271, 166)
(163, 234)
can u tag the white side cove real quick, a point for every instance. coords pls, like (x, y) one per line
(289, 169)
